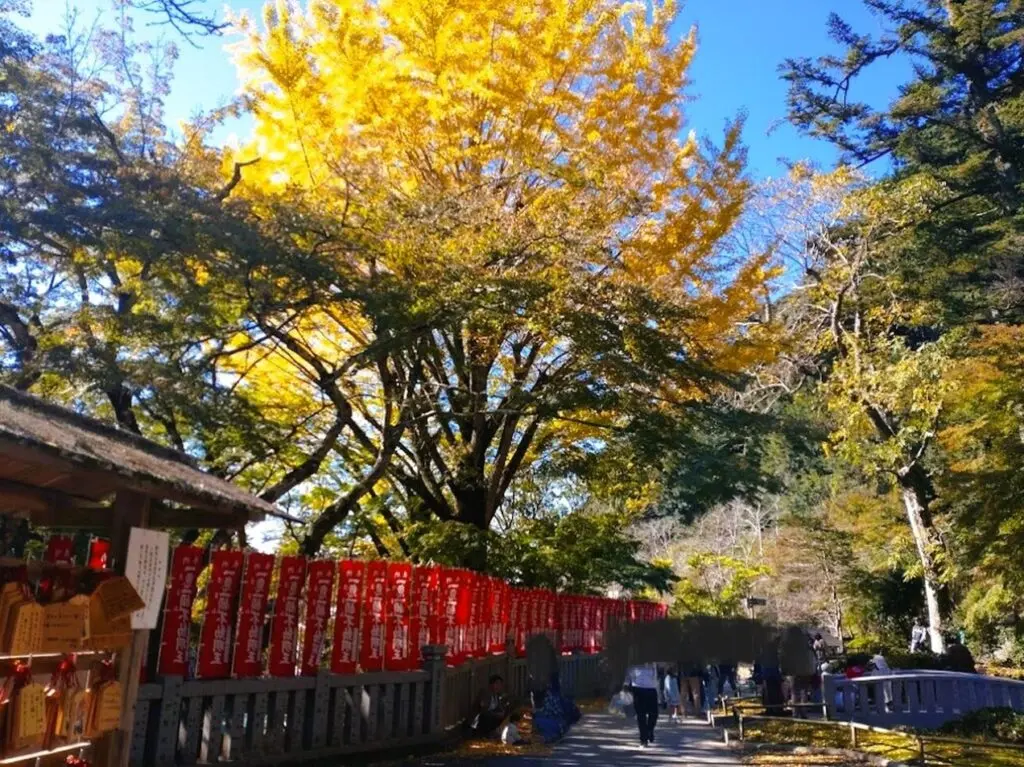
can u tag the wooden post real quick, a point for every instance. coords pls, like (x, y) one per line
(434, 665)
(510, 659)
(853, 735)
(128, 507)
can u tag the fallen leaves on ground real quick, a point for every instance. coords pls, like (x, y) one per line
(794, 760)
(902, 747)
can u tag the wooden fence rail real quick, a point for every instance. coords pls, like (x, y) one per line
(275, 720)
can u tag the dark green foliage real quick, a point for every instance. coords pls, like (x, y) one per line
(582, 552)
(1003, 724)
(959, 122)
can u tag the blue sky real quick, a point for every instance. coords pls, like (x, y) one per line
(742, 43)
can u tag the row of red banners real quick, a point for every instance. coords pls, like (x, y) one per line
(371, 616)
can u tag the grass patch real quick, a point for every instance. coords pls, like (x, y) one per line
(902, 747)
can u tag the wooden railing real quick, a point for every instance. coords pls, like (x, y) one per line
(277, 720)
(921, 699)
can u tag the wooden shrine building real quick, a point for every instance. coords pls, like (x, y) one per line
(60, 469)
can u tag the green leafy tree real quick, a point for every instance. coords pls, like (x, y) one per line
(956, 125)
(715, 584)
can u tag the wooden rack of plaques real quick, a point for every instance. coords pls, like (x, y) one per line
(61, 632)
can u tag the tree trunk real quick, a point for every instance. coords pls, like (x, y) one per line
(915, 503)
(470, 495)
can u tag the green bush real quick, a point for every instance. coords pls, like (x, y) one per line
(1003, 724)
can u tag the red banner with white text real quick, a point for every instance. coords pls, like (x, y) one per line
(399, 655)
(372, 651)
(319, 586)
(448, 606)
(221, 603)
(284, 627)
(248, 654)
(423, 623)
(349, 609)
(177, 619)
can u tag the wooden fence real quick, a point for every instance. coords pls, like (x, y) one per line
(276, 720)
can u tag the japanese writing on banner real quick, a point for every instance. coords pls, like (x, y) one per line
(248, 655)
(536, 623)
(589, 637)
(318, 614)
(221, 602)
(495, 643)
(399, 645)
(516, 626)
(146, 569)
(345, 650)
(448, 596)
(371, 653)
(99, 554)
(565, 621)
(181, 593)
(284, 629)
(577, 623)
(477, 620)
(544, 626)
(60, 550)
(463, 617)
(423, 621)
(506, 606)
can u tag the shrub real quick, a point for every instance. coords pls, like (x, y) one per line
(1003, 724)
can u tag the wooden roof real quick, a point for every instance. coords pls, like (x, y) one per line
(52, 453)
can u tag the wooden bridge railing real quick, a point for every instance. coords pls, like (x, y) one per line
(922, 699)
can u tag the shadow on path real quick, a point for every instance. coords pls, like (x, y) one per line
(600, 740)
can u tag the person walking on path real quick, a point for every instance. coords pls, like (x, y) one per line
(642, 682)
(672, 699)
(692, 688)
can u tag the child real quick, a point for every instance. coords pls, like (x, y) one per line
(672, 698)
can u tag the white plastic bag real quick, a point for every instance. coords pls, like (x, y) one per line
(621, 704)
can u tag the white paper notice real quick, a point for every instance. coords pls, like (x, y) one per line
(146, 568)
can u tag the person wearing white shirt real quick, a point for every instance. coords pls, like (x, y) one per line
(642, 682)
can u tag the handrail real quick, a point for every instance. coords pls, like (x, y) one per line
(903, 676)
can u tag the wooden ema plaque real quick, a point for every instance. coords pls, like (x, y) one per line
(110, 614)
(11, 594)
(64, 625)
(26, 720)
(106, 702)
(26, 628)
(72, 716)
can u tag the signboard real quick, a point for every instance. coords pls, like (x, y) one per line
(146, 569)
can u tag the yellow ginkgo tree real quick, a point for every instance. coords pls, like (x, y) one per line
(515, 242)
